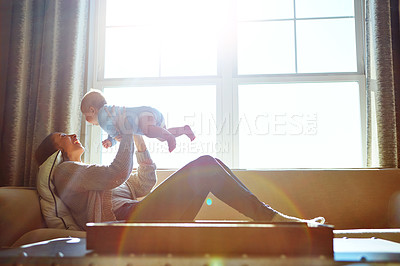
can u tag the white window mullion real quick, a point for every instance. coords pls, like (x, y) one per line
(235, 124)
(295, 36)
(359, 8)
(96, 76)
(323, 77)
(225, 89)
(100, 40)
(360, 42)
(225, 121)
(363, 113)
(163, 81)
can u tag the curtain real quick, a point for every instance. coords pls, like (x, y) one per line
(44, 46)
(381, 69)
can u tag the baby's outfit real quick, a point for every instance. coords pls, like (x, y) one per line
(133, 114)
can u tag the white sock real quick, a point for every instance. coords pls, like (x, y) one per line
(280, 217)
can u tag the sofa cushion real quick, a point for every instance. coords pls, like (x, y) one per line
(54, 211)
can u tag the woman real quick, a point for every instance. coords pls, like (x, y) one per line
(99, 193)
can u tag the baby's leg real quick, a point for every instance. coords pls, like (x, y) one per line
(147, 124)
(185, 130)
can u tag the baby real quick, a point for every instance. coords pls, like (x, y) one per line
(145, 120)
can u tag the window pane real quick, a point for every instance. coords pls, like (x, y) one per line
(132, 52)
(179, 107)
(132, 12)
(161, 12)
(266, 47)
(327, 45)
(324, 8)
(189, 41)
(189, 50)
(314, 125)
(178, 38)
(264, 9)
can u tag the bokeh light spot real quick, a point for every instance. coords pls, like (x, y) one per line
(209, 201)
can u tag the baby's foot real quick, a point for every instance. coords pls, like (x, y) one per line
(171, 143)
(189, 132)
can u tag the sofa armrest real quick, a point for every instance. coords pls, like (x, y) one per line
(20, 213)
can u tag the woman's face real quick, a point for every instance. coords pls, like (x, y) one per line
(68, 144)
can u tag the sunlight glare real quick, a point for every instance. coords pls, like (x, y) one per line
(179, 38)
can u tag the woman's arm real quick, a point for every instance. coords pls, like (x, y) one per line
(82, 177)
(139, 143)
(142, 181)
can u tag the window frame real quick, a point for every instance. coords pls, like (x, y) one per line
(226, 81)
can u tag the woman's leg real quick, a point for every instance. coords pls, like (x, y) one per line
(226, 168)
(278, 217)
(181, 196)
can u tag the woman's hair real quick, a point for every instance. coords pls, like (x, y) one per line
(94, 98)
(45, 149)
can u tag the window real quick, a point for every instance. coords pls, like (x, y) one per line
(263, 83)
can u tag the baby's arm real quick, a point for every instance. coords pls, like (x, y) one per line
(109, 142)
(106, 143)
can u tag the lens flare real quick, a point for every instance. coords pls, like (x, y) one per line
(209, 201)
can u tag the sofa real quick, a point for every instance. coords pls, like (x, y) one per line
(357, 202)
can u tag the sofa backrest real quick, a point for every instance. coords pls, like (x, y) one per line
(350, 198)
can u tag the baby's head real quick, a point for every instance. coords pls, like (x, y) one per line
(91, 103)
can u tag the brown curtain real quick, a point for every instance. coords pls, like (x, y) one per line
(43, 62)
(382, 62)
